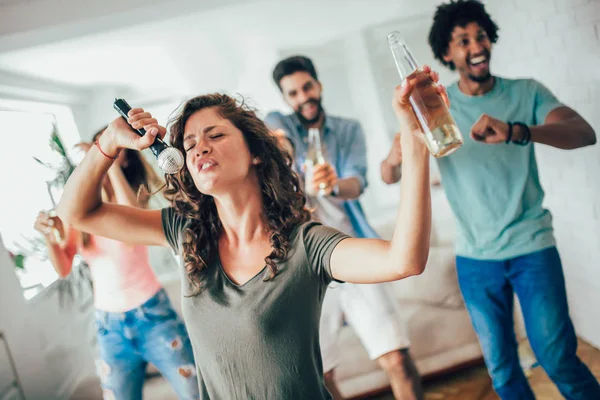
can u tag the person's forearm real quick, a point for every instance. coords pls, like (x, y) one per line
(410, 241)
(60, 259)
(569, 134)
(390, 173)
(82, 193)
(349, 188)
(124, 194)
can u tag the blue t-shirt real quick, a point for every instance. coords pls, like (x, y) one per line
(494, 189)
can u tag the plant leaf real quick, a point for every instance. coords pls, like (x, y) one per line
(19, 260)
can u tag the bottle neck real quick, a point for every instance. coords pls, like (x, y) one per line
(315, 152)
(405, 61)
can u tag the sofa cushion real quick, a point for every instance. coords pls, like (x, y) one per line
(437, 285)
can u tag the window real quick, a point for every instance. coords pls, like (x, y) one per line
(25, 189)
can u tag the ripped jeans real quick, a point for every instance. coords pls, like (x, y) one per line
(152, 332)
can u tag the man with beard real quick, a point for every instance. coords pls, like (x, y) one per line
(368, 309)
(505, 243)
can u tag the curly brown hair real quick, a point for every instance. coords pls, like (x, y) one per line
(283, 199)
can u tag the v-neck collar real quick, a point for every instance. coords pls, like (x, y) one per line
(238, 285)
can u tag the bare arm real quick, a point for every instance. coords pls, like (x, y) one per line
(61, 261)
(391, 170)
(390, 173)
(349, 188)
(376, 260)
(563, 128)
(123, 192)
(81, 203)
(60, 254)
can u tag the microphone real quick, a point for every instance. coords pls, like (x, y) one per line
(170, 160)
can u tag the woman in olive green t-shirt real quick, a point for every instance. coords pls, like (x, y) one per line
(256, 269)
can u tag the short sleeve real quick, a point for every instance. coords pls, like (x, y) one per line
(544, 102)
(355, 160)
(173, 225)
(319, 242)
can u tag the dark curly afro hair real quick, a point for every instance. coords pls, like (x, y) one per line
(453, 14)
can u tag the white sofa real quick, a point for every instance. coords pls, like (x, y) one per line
(438, 324)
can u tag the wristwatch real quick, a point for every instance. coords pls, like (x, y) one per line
(335, 191)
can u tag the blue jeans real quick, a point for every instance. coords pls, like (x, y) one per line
(152, 332)
(537, 279)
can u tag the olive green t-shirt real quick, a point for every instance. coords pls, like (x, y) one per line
(260, 340)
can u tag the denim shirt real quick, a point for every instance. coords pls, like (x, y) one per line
(345, 148)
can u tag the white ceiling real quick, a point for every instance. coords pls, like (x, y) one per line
(13, 2)
(177, 51)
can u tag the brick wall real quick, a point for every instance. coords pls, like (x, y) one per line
(558, 43)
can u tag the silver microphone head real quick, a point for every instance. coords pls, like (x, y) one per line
(170, 160)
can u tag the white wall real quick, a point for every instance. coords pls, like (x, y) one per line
(558, 43)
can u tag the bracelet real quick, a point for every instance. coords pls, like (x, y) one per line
(526, 137)
(510, 128)
(106, 155)
(335, 191)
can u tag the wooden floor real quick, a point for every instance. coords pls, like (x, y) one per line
(471, 384)
(474, 383)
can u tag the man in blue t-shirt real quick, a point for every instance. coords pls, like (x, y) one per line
(505, 242)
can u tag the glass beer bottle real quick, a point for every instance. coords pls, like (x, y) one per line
(314, 157)
(442, 135)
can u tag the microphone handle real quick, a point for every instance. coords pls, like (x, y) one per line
(123, 109)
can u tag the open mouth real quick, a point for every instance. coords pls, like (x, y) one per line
(478, 62)
(309, 107)
(207, 165)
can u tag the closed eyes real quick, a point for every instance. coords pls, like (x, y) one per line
(212, 137)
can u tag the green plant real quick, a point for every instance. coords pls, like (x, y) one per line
(61, 167)
(18, 259)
